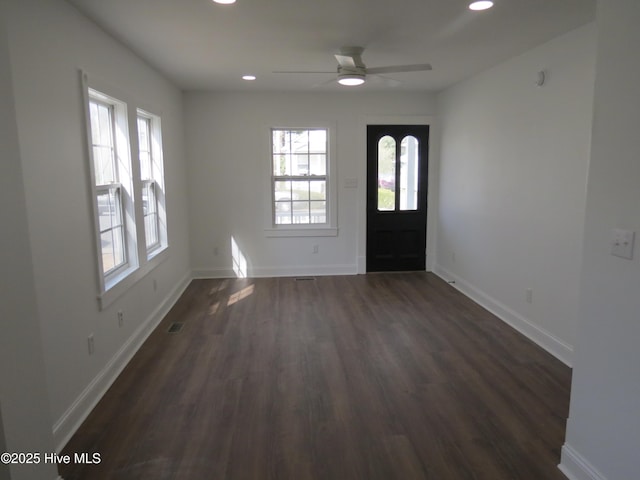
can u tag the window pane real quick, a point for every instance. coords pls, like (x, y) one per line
(318, 189)
(109, 209)
(409, 173)
(151, 229)
(108, 261)
(318, 164)
(280, 141)
(282, 190)
(144, 146)
(95, 124)
(300, 212)
(300, 190)
(318, 212)
(105, 211)
(386, 173)
(318, 141)
(150, 209)
(149, 201)
(104, 165)
(283, 213)
(118, 245)
(145, 166)
(112, 249)
(301, 164)
(299, 141)
(282, 164)
(105, 122)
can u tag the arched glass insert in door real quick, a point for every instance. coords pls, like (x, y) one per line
(409, 173)
(386, 173)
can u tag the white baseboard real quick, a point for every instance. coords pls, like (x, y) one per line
(304, 270)
(552, 344)
(203, 273)
(289, 271)
(576, 467)
(71, 420)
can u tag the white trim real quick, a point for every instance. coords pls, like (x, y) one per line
(65, 427)
(552, 344)
(130, 277)
(305, 231)
(575, 467)
(304, 270)
(286, 271)
(204, 273)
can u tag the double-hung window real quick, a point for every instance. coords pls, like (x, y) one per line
(109, 191)
(299, 176)
(148, 161)
(127, 189)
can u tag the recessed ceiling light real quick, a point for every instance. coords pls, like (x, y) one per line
(249, 77)
(481, 5)
(225, 2)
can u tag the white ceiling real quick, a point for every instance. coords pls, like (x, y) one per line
(200, 45)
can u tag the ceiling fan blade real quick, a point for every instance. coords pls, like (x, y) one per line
(387, 81)
(422, 67)
(303, 71)
(331, 81)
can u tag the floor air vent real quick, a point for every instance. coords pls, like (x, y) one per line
(304, 279)
(175, 327)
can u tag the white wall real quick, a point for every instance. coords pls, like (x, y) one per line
(227, 138)
(603, 432)
(25, 422)
(49, 41)
(513, 170)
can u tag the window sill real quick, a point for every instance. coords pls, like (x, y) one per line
(122, 283)
(305, 231)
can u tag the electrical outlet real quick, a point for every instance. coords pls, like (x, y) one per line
(316, 248)
(155, 285)
(120, 319)
(90, 344)
(622, 243)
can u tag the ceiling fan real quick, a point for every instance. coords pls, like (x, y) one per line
(352, 71)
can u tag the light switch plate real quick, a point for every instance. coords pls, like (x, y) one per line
(622, 243)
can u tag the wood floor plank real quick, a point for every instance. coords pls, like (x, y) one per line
(383, 376)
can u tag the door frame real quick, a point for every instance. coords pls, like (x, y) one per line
(432, 173)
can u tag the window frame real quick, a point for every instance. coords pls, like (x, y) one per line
(155, 182)
(140, 261)
(121, 183)
(328, 228)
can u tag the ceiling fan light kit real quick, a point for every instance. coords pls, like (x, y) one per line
(351, 79)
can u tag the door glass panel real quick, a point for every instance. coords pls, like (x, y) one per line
(409, 173)
(386, 173)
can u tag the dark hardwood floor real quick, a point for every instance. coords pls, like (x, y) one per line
(383, 376)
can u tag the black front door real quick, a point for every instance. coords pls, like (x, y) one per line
(397, 197)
